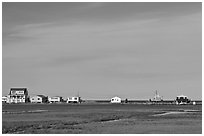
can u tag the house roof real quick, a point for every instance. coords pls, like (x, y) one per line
(55, 96)
(41, 96)
(13, 90)
(181, 96)
(74, 97)
(116, 97)
(18, 89)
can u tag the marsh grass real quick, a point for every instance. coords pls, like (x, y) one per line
(90, 119)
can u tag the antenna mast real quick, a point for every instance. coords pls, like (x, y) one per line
(77, 93)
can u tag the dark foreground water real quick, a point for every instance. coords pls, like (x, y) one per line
(101, 119)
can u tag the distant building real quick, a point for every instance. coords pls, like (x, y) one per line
(17, 95)
(116, 100)
(4, 99)
(182, 99)
(55, 99)
(38, 99)
(73, 100)
(64, 99)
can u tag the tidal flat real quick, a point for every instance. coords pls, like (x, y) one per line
(101, 119)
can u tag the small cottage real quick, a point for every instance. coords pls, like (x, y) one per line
(38, 99)
(116, 100)
(55, 99)
(73, 100)
(182, 99)
(4, 99)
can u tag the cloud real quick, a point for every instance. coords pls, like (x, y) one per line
(78, 17)
(28, 30)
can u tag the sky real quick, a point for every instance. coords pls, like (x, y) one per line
(102, 50)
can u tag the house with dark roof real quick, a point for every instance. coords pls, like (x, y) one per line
(18, 95)
(182, 99)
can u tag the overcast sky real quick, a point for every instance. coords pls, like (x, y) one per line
(103, 50)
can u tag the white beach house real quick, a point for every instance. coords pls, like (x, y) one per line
(116, 100)
(55, 99)
(38, 99)
(4, 99)
(73, 100)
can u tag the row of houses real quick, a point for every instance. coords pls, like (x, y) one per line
(20, 95)
(180, 100)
